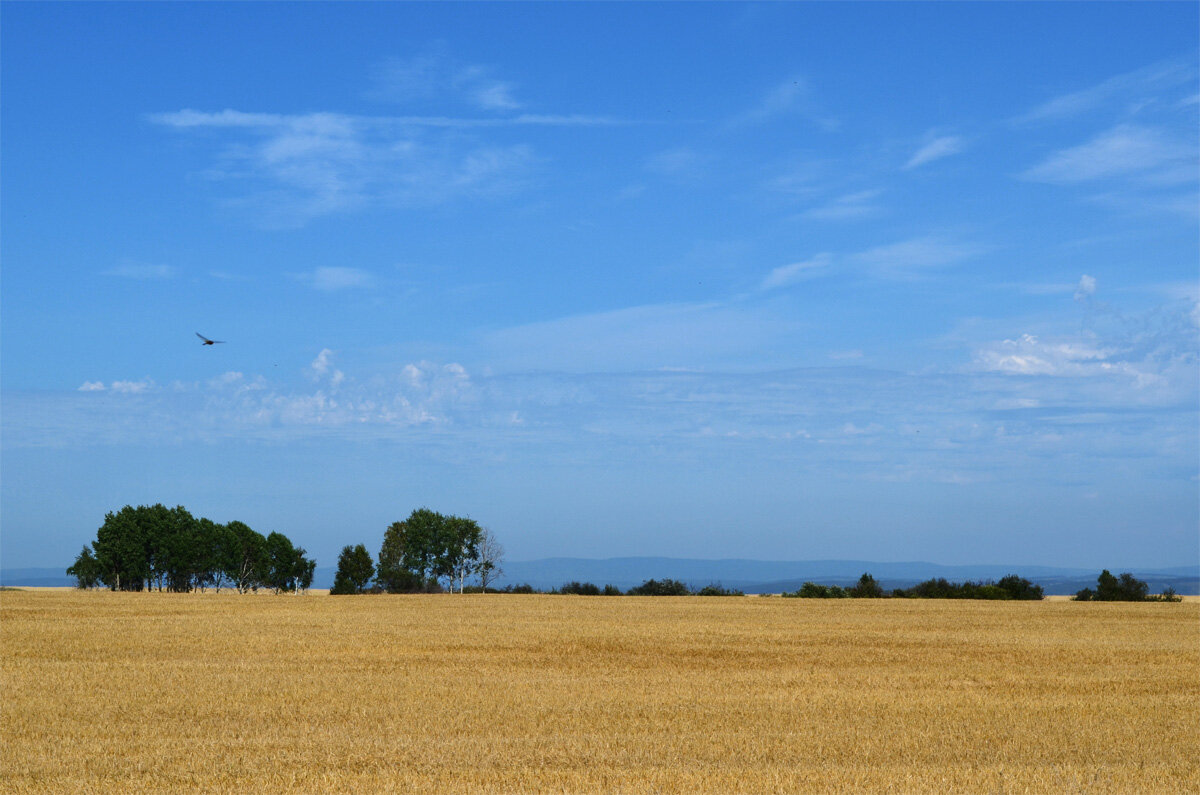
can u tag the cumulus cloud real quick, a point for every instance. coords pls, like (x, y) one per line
(1086, 288)
(1028, 355)
(322, 368)
(92, 386)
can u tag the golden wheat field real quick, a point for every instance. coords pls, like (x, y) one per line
(107, 692)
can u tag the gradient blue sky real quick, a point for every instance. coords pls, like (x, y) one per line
(787, 281)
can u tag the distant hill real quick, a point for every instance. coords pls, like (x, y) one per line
(751, 576)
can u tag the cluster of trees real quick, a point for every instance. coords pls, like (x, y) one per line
(1125, 588)
(1010, 587)
(427, 552)
(152, 546)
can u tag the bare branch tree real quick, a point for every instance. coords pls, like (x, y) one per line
(491, 558)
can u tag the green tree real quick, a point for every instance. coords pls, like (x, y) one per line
(1020, 588)
(120, 551)
(246, 560)
(283, 563)
(1108, 588)
(85, 570)
(867, 588)
(392, 574)
(354, 571)
(422, 536)
(458, 549)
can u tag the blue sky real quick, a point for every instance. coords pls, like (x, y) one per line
(784, 281)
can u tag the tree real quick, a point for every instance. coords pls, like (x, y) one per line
(247, 557)
(120, 551)
(214, 547)
(391, 574)
(85, 570)
(285, 567)
(422, 535)
(354, 570)
(867, 588)
(1020, 588)
(458, 549)
(491, 559)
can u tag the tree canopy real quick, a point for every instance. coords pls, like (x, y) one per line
(427, 548)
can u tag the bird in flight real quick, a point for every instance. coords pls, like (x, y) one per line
(207, 341)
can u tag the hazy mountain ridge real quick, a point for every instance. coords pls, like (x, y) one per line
(751, 576)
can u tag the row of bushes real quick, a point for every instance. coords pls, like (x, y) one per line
(665, 587)
(1010, 587)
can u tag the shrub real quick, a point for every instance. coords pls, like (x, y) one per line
(522, 588)
(716, 589)
(580, 589)
(811, 590)
(660, 588)
(611, 590)
(1021, 588)
(1168, 595)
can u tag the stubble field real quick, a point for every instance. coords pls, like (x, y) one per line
(105, 692)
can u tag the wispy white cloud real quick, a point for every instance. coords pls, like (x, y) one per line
(1125, 92)
(680, 163)
(1146, 153)
(850, 206)
(915, 257)
(329, 279)
(132, 387)
(92, 386)
(292, 168)
(791, 96)
(786, 275)
(437, 75)
(643, 338)
(935, 148)
(137, 270)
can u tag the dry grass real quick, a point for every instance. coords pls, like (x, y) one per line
(140, 693)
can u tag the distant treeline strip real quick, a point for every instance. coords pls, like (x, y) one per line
(1126, 588)
(149, 547)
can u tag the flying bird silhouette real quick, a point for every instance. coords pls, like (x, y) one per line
(207, 341)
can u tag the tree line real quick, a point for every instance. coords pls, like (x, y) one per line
(154, 547)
